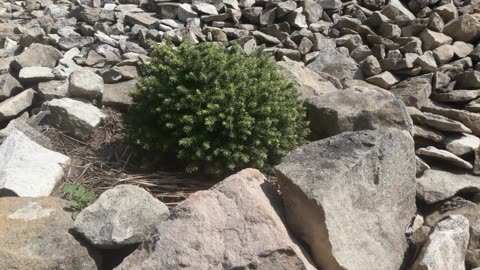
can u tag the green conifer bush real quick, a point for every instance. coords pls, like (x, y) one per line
(218, 110)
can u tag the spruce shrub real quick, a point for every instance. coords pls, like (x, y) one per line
(217, 109)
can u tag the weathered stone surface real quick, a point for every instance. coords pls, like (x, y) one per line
(9, 86)
(36, 234)
(462, 144)
(38, 55)
(74, 117)
(446, 246)
(85, 84)
(11, 107)
(28, 169)
(332, 62)
(356, 109)
(52, 89)
(244, 203)
(309, 82)
(323, 211)
(465, 28)
(27, 130)
(428, 134)
(121, 216)
(436, 185)
(468, 80)
(431, 39)
(117, 95)
(413, 91)
(35, 74)
(456, 96)
(469, 119)
(443, 155)
(384, 79)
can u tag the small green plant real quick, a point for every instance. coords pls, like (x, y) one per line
(216, 109)
(79, 198)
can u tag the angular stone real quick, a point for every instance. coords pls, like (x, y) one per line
(427, 62)
(432, 39)
(384, 80)
(428, 134)
(143, 19)
(469, 119)
(205, 8)
(462, 49)
(465, 28)
(117, 95)
(444, 54)
(457, 96)
(324, 213)
(355, 109)
(370, 66)
(443, 155)
(332, 62)
(35, 74)
(74, 117)
(36, 234)
(38, 55)
(27, 130)
(436, 185)
(468, 80)
(462, 144)
(52, 89)
(413, 91)
(476, 165)
(121, 216)
(244, 203)
(27, 168)
(11, 107)
(67, 43)
(85, 84)
(450, 236)
(9, 86)
(309, 82)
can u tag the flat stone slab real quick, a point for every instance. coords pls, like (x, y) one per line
(444, 155)
(436, 185)
(462, 144)
(443, 123)
(27, 169)
(75, 117)
(11, 107)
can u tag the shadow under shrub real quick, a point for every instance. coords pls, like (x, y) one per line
(218, 110)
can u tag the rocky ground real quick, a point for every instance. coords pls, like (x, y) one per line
(392, 90)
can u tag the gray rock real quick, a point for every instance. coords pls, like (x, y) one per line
(444, 54)
(462, 49)
(465, 28)
(13, 106)
(309, 82)
(35, 74)
(67, 43)
(74, 117)
(427, 62)
(446, 246)
(443, 123)
(469, 119)
(456, 96)
(27, 168)
(85, 84)
(9, 86)
(324, 213)
(218, 215)
(332, 62)
(205, 8)
(462, 144)
(144, 19)
(38, 55)
(431, 39)
(52, 89)
(27, 130)
(370, 66)
(384, 80)
(436, 185)
(355, 109)
(117, 95)
(468, 80)
(121, 216)
(413, 91)
(443, 155)
(36, 236)
(427, 134)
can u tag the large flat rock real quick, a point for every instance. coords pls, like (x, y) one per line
(36, 234)
(234, 225)
(27, 169)
(350, 197)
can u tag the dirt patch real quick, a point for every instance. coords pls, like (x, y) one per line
(107, 160)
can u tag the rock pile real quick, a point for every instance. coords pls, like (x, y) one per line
(360, 65)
